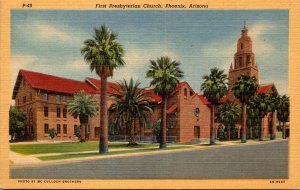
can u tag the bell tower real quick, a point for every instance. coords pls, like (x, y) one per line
(244, 59)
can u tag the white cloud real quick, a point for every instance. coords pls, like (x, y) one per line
(21, 62)
(47, 31)
(261, 46)
(77, 65)
(142, 56)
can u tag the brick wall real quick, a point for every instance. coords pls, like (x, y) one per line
(34, 108)
(187, 118)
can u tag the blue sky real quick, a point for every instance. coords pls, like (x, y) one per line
(50, 41)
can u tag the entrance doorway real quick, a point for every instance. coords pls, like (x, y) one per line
(196, 131)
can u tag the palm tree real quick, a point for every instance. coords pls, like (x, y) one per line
(252, 117)
(165, 74)
(244, 88)
(273, 108)
(104, 54)
(214, 88)
(283, 112)
(263, 107)
(132, 104)
(229, 114)
(82, 106)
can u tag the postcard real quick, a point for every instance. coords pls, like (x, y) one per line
(149, 94)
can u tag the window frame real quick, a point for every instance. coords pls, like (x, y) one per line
(58, 112)
(46, 128)
(65, 129)
(58, 128)
(65, 113)
(46, 111)
(45, 97)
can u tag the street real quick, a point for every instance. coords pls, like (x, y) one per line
(262, 160)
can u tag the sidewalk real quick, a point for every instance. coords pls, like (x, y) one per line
(23, 160)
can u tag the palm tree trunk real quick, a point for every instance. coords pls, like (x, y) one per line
(284, 131)
(141, 130)
(132, 132)
(244, 128)
(272, 136)
(228, 133)
(212, 124)
(82, 132)
(103, 144)
(163, 140)
(261, 129)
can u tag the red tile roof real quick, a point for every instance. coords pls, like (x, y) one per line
(51, 83)
(264, 89)
(155, 97)
(203, 99)
(172, 108)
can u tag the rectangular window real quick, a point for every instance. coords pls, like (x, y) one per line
(58, 112)
(24, 99)
(45, 111)
(57, 98)
(58, 128)
(75, 128)
(64, 98)
(46, 128)
(65, 128)
(65, 113)
(45, 97)
(148, 125)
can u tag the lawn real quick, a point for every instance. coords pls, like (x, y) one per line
(44, 148)
(81, 155)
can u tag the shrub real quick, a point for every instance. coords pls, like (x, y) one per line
(52, 133)
(221, 133)
(233, 133)
(77, 133)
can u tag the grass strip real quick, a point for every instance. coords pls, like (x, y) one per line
(81, 155)
(65, 147)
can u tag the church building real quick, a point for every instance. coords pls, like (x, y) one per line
(43, 99)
